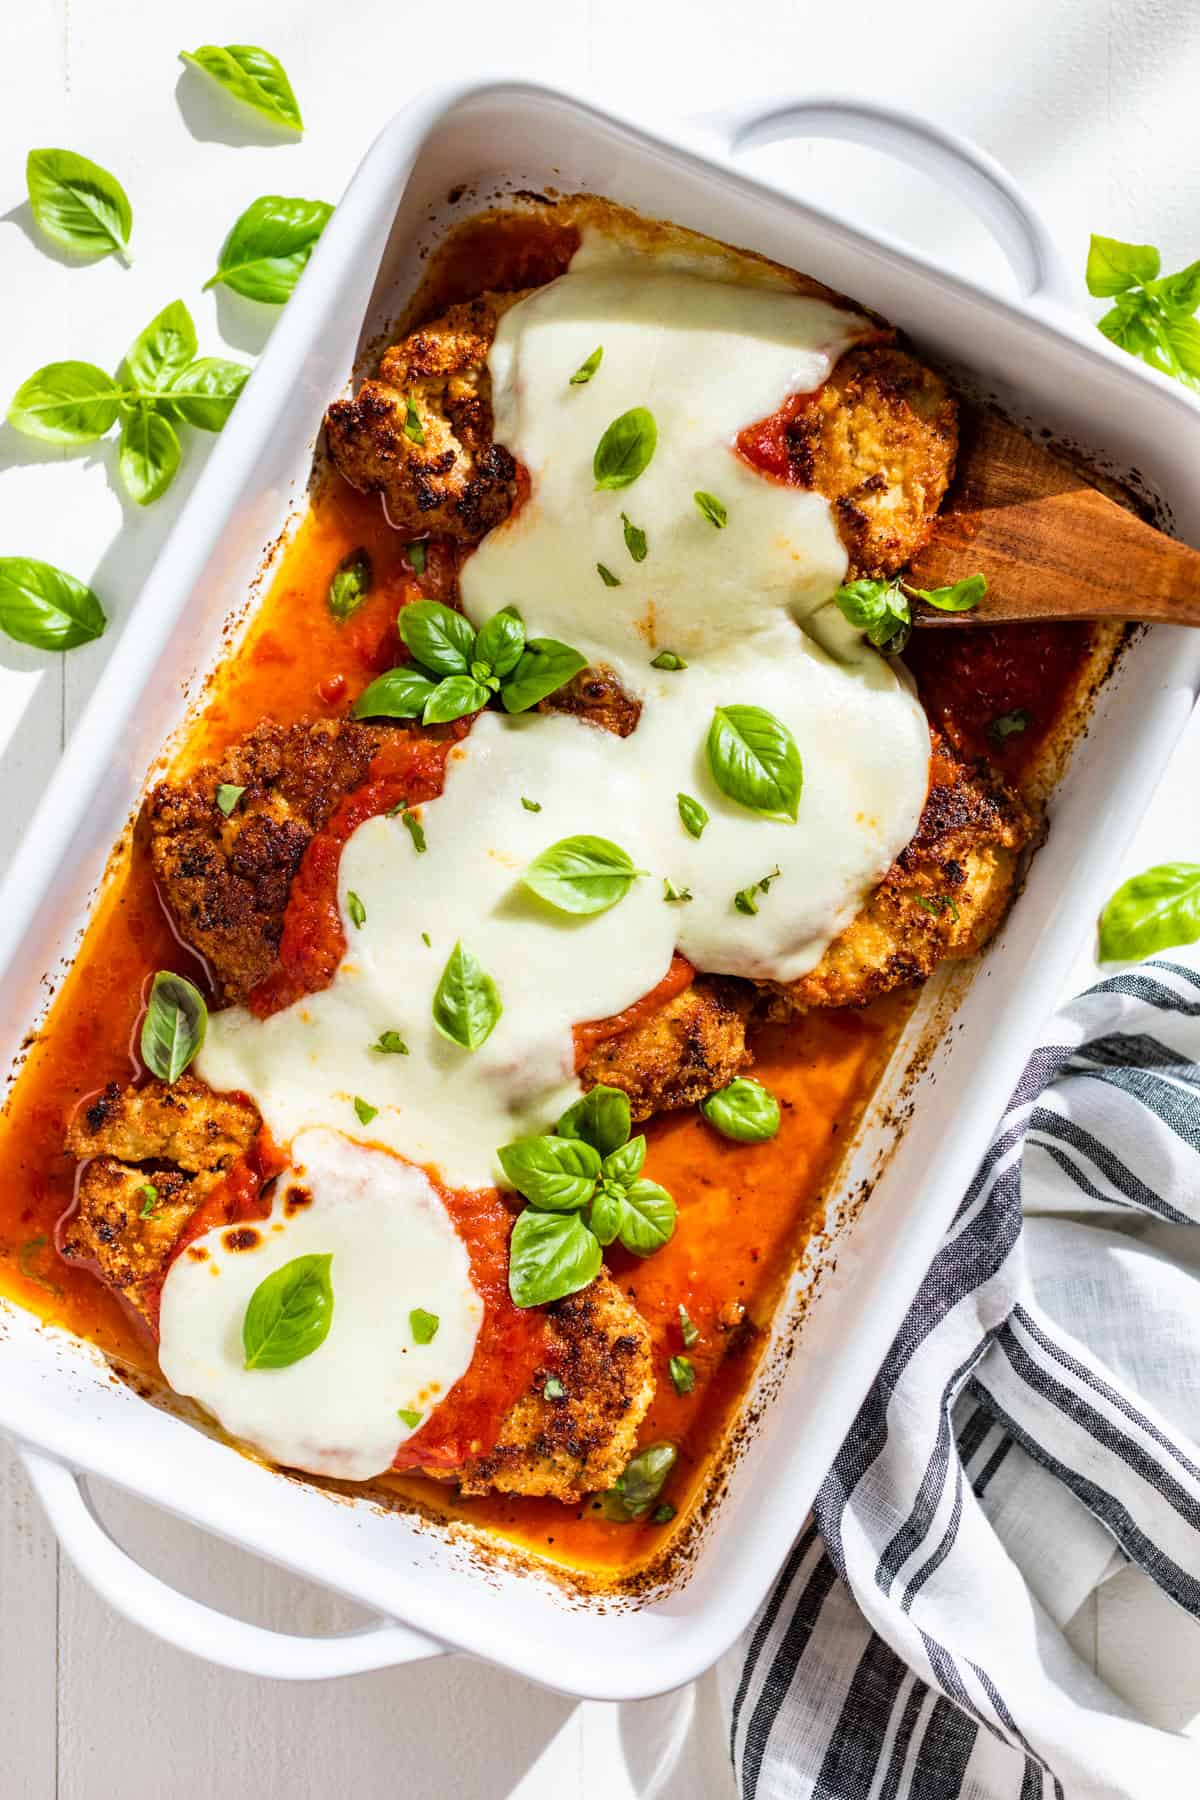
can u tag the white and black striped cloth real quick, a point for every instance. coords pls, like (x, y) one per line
(1036, 1424)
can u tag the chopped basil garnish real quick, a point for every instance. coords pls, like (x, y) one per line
(411, 1419)
(174, 1026)
(28, 1255)
(227, 796)
(743, 1110)
(638, 1487)
(1153, 911)
(424, 1325)
(754, 760)
(626, 448)
(366, 1112)
(712, 509)
(582, 875)
(745, 900)
(427, 940)
(663, 1513)
(881, 611)
(672, 894)
(418, 555)
(667, 659)
(356, 909)
(962, 596)
(554, 1389)
(350, 585)
(683, 1375)
(415, 830)
(937, 904)
(149, 1195)
(587, 369)
(289, 1313)
(414, 431)
(390, 1043)
(693, 815)
(607, 577)
(687, 1330)
(466, 1005)
(531, 805)
(1008, 725)
(635, 538)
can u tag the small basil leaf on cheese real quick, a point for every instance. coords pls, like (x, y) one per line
(289, 1313)
(466, 1004)
(667, 659)
(453, 698)
(692, 814)
(675, 896)
(149, 1194)
(390, 1043)
(743, 1110)
(418, 555)
(688, 1331)
(754, 760)
(414, 431)
(647, 1217)
(554, 1174)
(711, 509)
(624, 1164)
(545, 666)
(440, 639)
(554, 1389)
(174, 1026)
(531, 805)
(365, 1111)
(227, 796)
(635, 538)
(501, 641)
(1152, 911)
(682, 1373)
(587, 368)
(1009, 724)
(600, 1119)
(350, 585)
(746, 901)
(400, 694)
(356, 910)
(550, 1255)
(423, 1325)
(410, 1418)
(625, 450)
(412, 825)
(639, 1484)
(582, 875)
(607, 577)
(963, 596)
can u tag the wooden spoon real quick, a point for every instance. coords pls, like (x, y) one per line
(1051, 545)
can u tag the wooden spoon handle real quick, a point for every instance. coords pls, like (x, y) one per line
(1051, 545)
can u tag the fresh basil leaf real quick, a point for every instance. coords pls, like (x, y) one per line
(350, 585)
(174, 1026)
(149, 455)
(554, 1389)
(400, 694)
(365, 1111)
(712, 509)
(356, 910)
(582, 875)
(587, 369)
(647, 1217)
(625, 450)
(466, 1005)
(289, 1313)
(743, 1110)
(1179, 293)
(635, 538)
(411, 1418)
(78, 204)
(439, 638)
(667, 659)
(682, 1373)
(149, 1205)
(1182, 337)
(879, 609)
(600, 1119)
(453, 698)
(687, 1330)
(675, 896)
(501, 642)
(204, 393)
(604, 1215)
(227, 797)
(427, 940)
(639, 1485)
(390, 1043)
(624, 1164)
(550, 1255)
(607, 577)
(66, 403)
(46, 607)
(268, 247)
(414, 431)
(423, 1325)
(1008, 725)
(662, 1515)
(964, 596)
(414, 828)
(754, 760)
(1153, 911)
(1114, 266)
(1130, 325)
(534, 806)
(545, 666)
(160, 353)
(252, 76)
(555, 1174)
(692, 815)
(418, 555)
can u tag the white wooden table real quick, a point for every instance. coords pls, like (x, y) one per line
(1092, 107)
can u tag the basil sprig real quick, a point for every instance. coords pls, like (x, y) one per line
(79, 205)
(269, 246)
(350, 585)
(160, 384)
(45, 607)
(289, 1313)
(743, 1110)
(1153, 316)
(460, 669)
(583, 875)
(174, 1026)
(1153, 911)
(625, 450)
(754, 760)
(585, 1189)
(640, 1483)
(252, 76)
(466, 1003)
(880, 609)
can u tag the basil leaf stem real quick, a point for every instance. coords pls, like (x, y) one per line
(583, 875)
(78, 205)
(289, 1313)
(743, 1110)
(466, 1003)
(174, 1026)
(754, 760)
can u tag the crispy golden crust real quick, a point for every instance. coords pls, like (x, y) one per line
(693, 1045)
(448, 478)
(879, 441)
(598, 1346)
(130, 1252)
(185, 1123)
(225, 881)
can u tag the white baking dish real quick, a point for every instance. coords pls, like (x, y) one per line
(56, 1396)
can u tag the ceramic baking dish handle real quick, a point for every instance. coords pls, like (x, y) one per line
(187, 1624)
(987, 187)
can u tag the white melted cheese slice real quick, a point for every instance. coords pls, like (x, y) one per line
(394, 1249)
(744, 606)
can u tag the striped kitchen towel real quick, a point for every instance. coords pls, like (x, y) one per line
(1035, 1426)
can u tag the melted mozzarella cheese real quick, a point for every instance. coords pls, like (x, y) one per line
(394, 1248)
(747, 607)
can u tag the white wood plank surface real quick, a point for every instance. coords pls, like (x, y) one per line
(1092, 107)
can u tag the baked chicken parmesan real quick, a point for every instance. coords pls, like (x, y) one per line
(513, 942)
